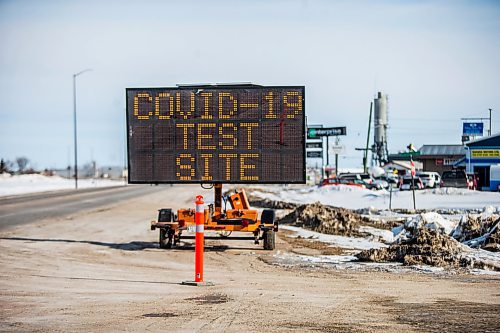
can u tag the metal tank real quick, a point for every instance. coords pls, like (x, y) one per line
(380, 119)
(380, 123)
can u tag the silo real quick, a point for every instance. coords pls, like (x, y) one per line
(380, 119)
(380, 122)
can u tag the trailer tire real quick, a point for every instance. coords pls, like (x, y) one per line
(269, 240)
(267, 216)
(165, 238)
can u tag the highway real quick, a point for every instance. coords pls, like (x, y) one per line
(24, 209)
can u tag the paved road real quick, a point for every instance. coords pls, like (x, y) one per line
(25, 209)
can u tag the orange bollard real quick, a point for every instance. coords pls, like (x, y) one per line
(200, 238)
(199, 219)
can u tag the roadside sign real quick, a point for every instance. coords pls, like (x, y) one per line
(313, 133)
(473, 129)
(314, 154)
(314, 144)
(216, 134)
(337, 149)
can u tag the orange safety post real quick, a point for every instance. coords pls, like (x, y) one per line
(200, 238)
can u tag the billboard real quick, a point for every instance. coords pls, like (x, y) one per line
(216, 134)
(473, 129)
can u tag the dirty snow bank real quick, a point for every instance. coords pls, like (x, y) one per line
(324, 219)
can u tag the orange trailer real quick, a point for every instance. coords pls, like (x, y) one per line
(240, 217)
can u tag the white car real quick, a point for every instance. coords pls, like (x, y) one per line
(405, 183)
(430, 179)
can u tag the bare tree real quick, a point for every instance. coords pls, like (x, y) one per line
(22, 163)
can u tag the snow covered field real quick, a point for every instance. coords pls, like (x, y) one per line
(356, 198)
(23, 184)
(339, 196)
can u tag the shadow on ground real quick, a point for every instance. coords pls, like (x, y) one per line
(134, 245)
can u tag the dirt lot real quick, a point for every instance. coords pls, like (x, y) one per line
(102, 271)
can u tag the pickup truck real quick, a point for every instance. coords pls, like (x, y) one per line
(455, 178)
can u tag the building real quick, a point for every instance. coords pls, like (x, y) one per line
(437, 158)
(403, 167)
(480, 155)
(440, 158)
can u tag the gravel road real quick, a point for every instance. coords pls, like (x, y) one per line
(101, 270)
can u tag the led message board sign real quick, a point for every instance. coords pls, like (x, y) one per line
(216, 134)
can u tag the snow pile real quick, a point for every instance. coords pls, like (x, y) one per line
(431, 239)
(479, 230)
(431, 220)
(429, 247)
(22, 184)
(473, 229)
(324, 219)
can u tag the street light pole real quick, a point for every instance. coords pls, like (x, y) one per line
(74, 124)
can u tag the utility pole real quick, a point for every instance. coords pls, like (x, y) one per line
(489, 131)
(74, 125)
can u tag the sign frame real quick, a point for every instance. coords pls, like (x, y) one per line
(303, 177)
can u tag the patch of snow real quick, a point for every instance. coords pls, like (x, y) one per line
(34, 183)
(428, 269)
(484, 272)
(386, 235)
(355, 243)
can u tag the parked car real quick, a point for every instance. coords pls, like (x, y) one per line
(455, 178)
(405, 183)
(430, 179)
(365, 178)
(347, 182)
(390, 178)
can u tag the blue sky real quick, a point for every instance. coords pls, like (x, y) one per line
(437, 60)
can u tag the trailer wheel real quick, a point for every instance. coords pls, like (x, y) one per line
(269, 240)
(165, 238)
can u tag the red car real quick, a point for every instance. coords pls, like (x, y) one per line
(337, 181)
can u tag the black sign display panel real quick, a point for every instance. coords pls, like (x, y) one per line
(314, 144)
(314, 154)
(216, 134)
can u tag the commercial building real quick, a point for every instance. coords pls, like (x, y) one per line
(437, 158)
(481, 154)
